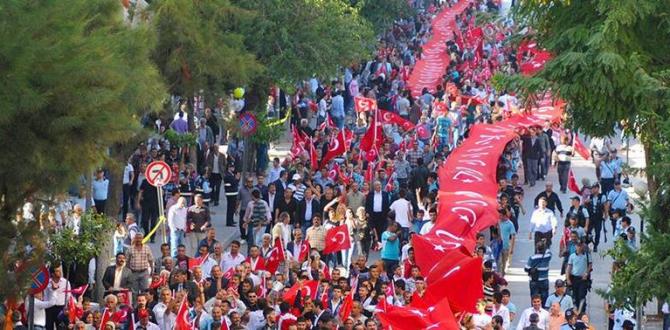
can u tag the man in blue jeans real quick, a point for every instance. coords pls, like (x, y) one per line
(537, 268)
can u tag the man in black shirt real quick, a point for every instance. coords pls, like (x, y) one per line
(231, 182)
(553, 202)
(148, 202)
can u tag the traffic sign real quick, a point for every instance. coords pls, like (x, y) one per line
(248, 123)
(158, 173)
(40, 280)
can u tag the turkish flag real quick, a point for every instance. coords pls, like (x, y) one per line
(183, 321)
(328, 123)
(405, 318)
(78, 291)
(369, 172)
(580, 148)
(373, 137)
(347, 305)
(337, 239)
(304, 251)
(313, 157)
(298, 146)
(388, 117)
(461, 283)
(572, 183)
(442, 314)
(230, 272)
(276, 257)
(73, 312)
(345, 178)
(364, 104)
(348, 138)
(104, 318)
(308, 288)
(197, 261)
(262, 288)
(436, 248)
(336, 147)
(157, 284)
(334, 172)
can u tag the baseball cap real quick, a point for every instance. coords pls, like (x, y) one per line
(569, 314)
(296, 177)
(575, 198)
(559, 283)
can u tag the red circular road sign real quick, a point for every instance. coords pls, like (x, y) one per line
(248, 123)
(158, 173)
(40, 280)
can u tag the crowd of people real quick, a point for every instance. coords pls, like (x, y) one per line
(286, 278)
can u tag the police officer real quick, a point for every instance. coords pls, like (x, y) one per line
(231, 181)
(596, 206)
(577, 210)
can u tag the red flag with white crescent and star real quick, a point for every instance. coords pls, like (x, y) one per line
(388, 117)
(183, 321)
(337, 239)
(364, 104)
(572, 183)
(336, 147)
(307, 288)
(276, 257)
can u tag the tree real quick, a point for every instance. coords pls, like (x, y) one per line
(295, 40)
(612, 64)
(75, 78)
(382, 14)
(197, 48)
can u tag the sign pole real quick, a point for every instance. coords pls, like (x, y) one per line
(161, 213)
(31, 312)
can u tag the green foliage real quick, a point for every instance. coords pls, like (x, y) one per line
(180, 140)
(75, 78)
(196, 48)
(609, 58)
(612, 65)
(67, 248)
(382, 13)
(296, 39)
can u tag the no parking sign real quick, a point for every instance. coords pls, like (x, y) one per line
(40, 280)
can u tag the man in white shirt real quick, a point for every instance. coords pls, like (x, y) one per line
(500, 309)
(176, 218)
(99, 190)
(428, 226)
(524, 319)
(233, 257)
(160, 307)
(55, 293)
(39, 310)
(403, 212)
(543, 223)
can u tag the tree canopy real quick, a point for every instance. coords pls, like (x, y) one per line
(382, 14)
(197, 48)
(296, 39)
(75, 78)
(612, 64)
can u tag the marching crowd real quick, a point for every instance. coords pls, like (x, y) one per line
(329, 244)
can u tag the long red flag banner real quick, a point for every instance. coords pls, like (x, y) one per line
(467, 197)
